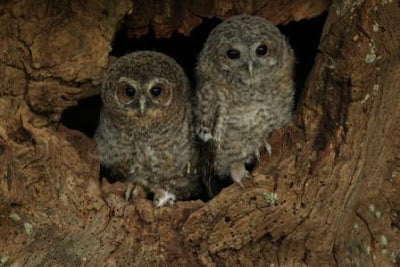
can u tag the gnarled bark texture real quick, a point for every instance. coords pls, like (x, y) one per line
(329, 195)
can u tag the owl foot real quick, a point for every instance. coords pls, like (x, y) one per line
(163, 198)
(204, 136)
(257, 154)
(132, 191)
(239, 172)
(129, 192)
(268, 148)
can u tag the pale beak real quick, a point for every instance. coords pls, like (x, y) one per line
(142, 104)
(251, 70)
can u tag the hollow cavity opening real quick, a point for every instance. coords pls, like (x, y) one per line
(303, 36)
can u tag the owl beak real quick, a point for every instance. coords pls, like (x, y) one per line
(251, 70)
(142, 104)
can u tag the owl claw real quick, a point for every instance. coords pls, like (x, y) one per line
(205, 136)
(239, 180)
(165, 198)
(257, 155)
(129, 192)
(132, 191)
(239, 172)
(268, 148)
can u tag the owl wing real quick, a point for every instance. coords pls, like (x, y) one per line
(207, 155)
(207, 113)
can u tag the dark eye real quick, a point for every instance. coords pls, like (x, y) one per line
(155, 91)
(130, 91)
(233, 54)
(261, 50)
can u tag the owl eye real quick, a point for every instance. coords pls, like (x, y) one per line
(130, 91)
(155, 91)
(261, 50)
(233, 53)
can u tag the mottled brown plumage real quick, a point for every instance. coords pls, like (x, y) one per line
(244, 91)
(145, 129)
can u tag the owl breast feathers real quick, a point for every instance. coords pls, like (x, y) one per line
(244, 91)
(145, 129)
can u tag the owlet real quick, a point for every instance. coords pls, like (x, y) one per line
(244, 91)
(145, 130)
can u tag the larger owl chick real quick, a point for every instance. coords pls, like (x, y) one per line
(145, 128)
(244, 91)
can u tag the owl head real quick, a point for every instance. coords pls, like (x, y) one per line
(244, 49)
(144, 86)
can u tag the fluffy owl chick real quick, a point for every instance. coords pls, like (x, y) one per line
(244, 91)
(145, 128)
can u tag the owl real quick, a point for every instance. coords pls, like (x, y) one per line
(244, 91)
(145, 130)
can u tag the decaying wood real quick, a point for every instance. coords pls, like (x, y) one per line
(327, 196)
(165, 17)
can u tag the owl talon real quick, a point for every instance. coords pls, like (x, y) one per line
(239, 180)
(165, 198)
(268, 148)
(205, 136)
(129, 192)
(257, 153)
(239, 172)
(132, 191)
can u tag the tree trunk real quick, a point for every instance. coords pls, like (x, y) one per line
(328, 195)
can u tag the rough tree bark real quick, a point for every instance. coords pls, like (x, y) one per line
(327, 196)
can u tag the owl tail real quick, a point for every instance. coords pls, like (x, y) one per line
(207, 155)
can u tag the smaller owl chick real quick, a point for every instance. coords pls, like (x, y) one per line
(145, 128)
(244, 91)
